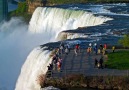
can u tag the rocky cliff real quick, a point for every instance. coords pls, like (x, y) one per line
(32, 5)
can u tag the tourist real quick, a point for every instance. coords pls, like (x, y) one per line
(49, 71)
(98, 65)
(68, 47)
(49, 68)
(90, 47)
(113, 49)
(61, 48)
(54, 61)
(99, 51)
(88, 50)
(66, 50)
(105, 46)
(57, 52)
(76, 49)
(95, 48)
(101, 48)
(101, 62)
(59, 65)
(55, 57)
(103, 51)
(96, 62)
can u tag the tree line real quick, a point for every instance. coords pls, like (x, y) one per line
(79, 1)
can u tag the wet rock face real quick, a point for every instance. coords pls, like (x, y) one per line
(33, 5)
(71, 35)
(67, 35)
(62, 36)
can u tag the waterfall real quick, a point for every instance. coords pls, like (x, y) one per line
(48, 22)
(35, 65)
(51, 21)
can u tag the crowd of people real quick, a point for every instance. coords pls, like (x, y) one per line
(56, 59)
(65, 49)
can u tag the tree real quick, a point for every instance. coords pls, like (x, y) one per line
(125, 40)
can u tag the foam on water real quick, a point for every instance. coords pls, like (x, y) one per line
(16, 42)
(49, 22)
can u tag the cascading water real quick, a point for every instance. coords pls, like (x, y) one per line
(48, 22)
(51, 21)
(35, 65)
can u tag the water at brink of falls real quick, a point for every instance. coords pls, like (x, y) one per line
(17, 40)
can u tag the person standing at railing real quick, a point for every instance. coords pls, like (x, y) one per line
(59, 63)
(49, 70)
(68, 46)
(113, 49)
(66, 50)
(105, 46)
(90, 48)
(101, 48)
(88, 51)
(101, 62)
(95, 48)
(58, 66)
(54, 64)
(61, 48)
(76, 50)
(103, 51)
(54, 61)
(96, 62)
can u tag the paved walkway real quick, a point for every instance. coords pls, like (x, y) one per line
(84, 64)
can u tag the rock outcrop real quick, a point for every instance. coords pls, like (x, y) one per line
(33, 4)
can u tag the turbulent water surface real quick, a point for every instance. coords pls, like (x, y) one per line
(106, 23)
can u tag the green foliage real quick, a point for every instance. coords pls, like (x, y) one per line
(21, 11)
(125, 41)
(22, 8)
(83, 1)
(118, 60)
(66, 1)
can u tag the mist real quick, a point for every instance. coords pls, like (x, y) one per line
(17, 39)
(16, 42)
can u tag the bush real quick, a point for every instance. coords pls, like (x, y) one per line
(125, 40)
(21, 11)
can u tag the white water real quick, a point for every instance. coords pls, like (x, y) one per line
(54, 20)
(49, 22)
(16, 42)
(35, 65)
(15, 45)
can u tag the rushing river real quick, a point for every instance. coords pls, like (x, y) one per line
(105, 23)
